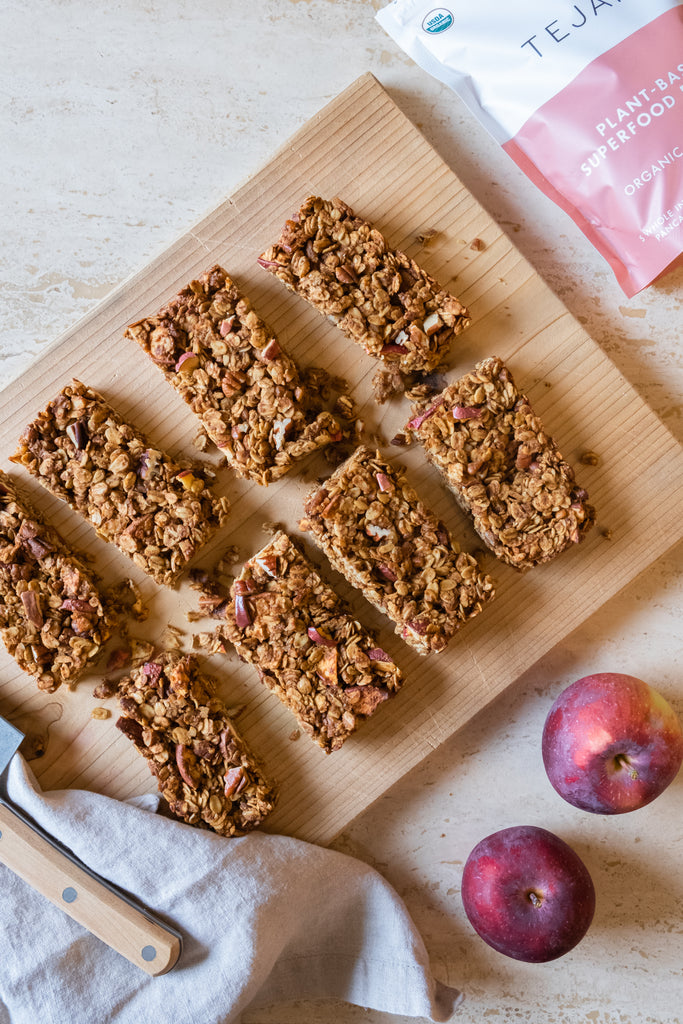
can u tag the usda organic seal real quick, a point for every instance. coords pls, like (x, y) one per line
(437, 20)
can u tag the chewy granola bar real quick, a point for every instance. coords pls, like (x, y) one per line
(503, 468)
(52, 618)
(155, 510)
(376, 532)
(308, 649)
(232, 372)
(204, 770)
(378, 296)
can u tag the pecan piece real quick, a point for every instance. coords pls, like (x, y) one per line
(31, 603)
(235, 781)
(77, 434)
(186, 762)
(131, 728)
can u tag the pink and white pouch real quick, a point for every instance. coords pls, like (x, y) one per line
(586, 97)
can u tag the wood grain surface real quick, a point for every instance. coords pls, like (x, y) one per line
(363, 148)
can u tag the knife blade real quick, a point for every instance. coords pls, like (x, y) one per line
(55, 872)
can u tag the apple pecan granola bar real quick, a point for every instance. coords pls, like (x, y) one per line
(157, 511)
(233, 373)
(378, 296)
(204, 770)
(503, 468)
(308, 649)
(53, 620)
(376, 531)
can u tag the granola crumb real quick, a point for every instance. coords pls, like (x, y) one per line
(201, 441)
(401, 441)
(340, 385)
(318, 381)
(206, 642)
(420, 392)
(607, 533)
(100, 713)
(34, 745)
(477, 244)
(212, 605)
(230, 557)
(589, 459)
(344, 407)
(140, 651)
(105, 689)
(119, 658)
(128, 600)
(387, 384)
(171, 638)
(426, 236)
(202, 580)
(294, 736)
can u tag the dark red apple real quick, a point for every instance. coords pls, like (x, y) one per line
(611, 743)
(528, 894)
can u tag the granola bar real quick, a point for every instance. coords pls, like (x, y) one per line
(377, 532)
(308, 649)
(503, 468)
(233, 373)
(53, 620)
(204, 769)
(157, 511)
(378, 296)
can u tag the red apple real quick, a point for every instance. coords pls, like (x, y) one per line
(611, 743)
(528, 894)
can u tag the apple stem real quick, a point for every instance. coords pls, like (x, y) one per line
(534, 899)
(622, 761)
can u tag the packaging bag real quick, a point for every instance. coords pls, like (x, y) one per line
(586, 97)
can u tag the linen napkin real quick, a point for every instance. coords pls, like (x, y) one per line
(265, 919)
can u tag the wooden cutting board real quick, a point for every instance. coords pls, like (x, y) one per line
(363, 148)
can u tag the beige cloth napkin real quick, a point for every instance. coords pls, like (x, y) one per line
(265, 919)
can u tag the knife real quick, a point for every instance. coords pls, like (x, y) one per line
(52, 870)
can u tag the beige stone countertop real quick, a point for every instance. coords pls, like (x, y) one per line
(121, 125)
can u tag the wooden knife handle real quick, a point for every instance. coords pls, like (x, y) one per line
(110, 917)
